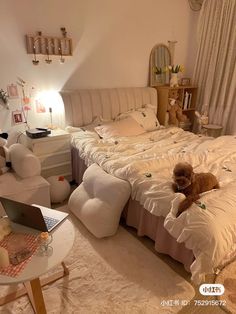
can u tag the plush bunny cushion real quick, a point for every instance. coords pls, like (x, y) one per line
(99, 201)
(23, 161)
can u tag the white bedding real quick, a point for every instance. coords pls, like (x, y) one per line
(209, 232)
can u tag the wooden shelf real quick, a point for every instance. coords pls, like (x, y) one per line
(48, 45)
(164, 93)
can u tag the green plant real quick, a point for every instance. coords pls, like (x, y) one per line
(158, 70)
(175, 68)
(4, 96)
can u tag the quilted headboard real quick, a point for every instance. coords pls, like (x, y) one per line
(82, 106)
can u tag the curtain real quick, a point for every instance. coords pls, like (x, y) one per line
(215, 68)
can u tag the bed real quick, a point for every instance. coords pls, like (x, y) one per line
(146, 162)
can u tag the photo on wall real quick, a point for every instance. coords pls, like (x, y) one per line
(39, 106)
(17, 117)
(12, 91)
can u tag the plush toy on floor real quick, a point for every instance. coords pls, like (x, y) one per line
(174, 108)
(4, 156)
(59, 188)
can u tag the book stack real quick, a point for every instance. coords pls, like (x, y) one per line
(187, 100)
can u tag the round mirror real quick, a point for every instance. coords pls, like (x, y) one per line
(160, 58)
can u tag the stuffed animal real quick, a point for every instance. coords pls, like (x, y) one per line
(5, 227)
(175, 112)
(4, 162)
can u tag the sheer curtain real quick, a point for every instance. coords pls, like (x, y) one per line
(215, 68)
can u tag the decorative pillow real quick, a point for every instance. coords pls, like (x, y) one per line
(124, 127)
(23, 161)
(72, 129)
(146, 117)
(89, 127)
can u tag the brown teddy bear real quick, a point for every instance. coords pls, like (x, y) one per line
(175, 112)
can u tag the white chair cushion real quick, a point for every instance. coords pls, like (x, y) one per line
(23, 161)
(99, 201)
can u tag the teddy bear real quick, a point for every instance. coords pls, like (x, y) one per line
(175, 112)
(4, 162)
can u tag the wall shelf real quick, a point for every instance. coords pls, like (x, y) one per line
(48, 45)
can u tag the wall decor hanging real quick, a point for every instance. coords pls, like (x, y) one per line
(49, 46)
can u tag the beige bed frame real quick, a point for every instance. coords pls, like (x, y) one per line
(82, 106)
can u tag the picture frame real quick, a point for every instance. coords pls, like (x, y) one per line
(185, 81)
(17, 117)
(39, 106)
(12, 91)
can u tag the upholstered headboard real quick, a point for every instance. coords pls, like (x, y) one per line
(82, 106)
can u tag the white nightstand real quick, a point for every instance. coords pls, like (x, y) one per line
(53, 151)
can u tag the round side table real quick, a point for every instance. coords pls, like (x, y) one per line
(212, 129)
(63, 239)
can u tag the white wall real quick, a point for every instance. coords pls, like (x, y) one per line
(112, 41)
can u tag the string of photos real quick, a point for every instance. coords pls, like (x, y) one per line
(49, 46)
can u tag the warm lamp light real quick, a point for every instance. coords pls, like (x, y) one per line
(54, 105)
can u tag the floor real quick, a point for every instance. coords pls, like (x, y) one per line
(177, 267)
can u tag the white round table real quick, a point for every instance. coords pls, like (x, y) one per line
(63, 239)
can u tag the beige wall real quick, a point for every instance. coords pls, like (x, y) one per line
(112, 41)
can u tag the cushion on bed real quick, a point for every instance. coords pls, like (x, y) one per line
(125, 127)
(146, 117)
(99, 201)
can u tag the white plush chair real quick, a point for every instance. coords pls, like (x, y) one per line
(24, 183)
(99, 200)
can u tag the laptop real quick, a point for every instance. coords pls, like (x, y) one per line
(40, 218)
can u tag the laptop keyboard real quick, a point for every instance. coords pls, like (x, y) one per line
(50, 222)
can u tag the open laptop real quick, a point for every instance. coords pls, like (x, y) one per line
(40, 218)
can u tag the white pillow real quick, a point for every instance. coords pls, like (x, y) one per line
(88, 127)
(72, 129)
(96, 122)
(124, 127)
(146, 117)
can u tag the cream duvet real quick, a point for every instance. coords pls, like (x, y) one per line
(147, 161)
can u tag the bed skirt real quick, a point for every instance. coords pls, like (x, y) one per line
(146, 224)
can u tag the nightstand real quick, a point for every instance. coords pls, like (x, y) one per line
(53, 151)
(212, 129)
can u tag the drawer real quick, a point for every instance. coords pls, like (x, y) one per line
(57, 158)
(63, 170)
(43, 148)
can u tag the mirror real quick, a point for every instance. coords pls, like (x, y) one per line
(160, 58)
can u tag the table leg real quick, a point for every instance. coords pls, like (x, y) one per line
(22, 291)
(35, 294)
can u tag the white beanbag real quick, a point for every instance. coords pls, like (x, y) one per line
(23, 161)
(99, 201)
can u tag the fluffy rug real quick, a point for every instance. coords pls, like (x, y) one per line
(227, 277)
(113, 275)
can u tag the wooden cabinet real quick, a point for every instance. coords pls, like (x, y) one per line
(187, 99)
(53, 152)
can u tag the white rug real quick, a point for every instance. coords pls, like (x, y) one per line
(114, 275)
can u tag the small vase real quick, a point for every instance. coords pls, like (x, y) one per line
(174, 80)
